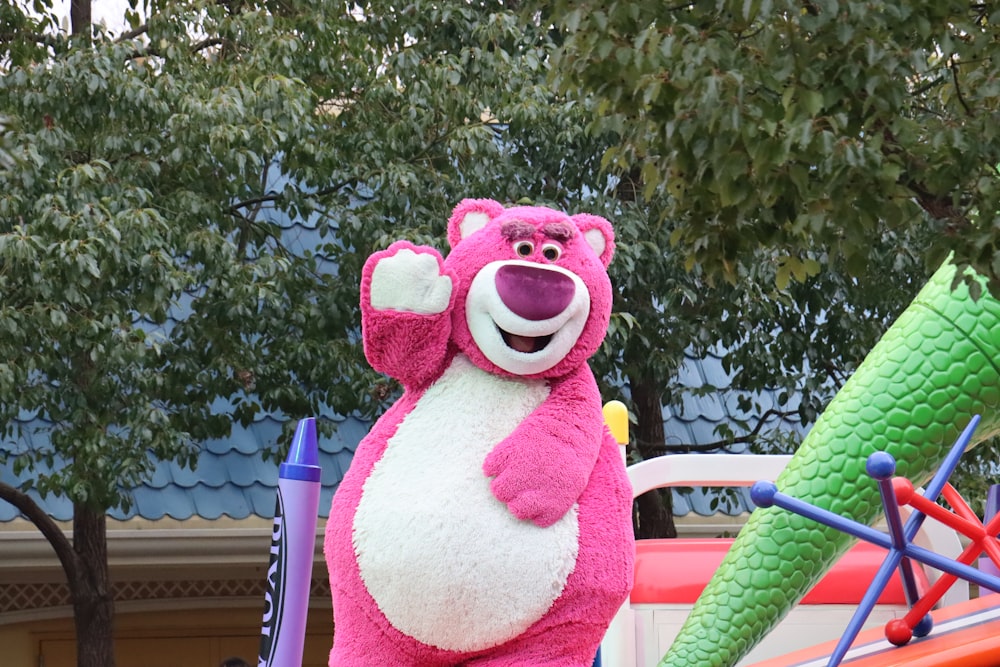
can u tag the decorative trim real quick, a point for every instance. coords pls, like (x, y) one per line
(32, 601)
(151, 544)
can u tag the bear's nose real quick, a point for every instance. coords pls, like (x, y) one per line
(534, 293)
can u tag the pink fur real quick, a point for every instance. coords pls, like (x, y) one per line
(416, 315)
(486, 246)
(544, 466)
(404, 345)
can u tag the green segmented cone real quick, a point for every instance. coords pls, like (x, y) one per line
(935, 368)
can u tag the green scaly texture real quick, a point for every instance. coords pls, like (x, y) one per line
(936, 367)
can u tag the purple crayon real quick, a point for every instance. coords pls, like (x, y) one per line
(293, 544)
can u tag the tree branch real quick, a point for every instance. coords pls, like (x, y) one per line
(941, 208)
(958, 89)
(132, 34)
(747, 438)
(39, 38)
(234, 209)
(147, 51)
(927, 86)
(982, 12)
(206, 43)
(45, 525)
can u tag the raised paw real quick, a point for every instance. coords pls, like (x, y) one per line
(536, 506)
(408, 278)
(532, 493)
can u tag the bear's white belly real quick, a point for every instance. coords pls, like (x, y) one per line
(446, 562)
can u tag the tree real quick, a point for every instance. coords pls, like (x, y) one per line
(136, 160)
(146, 276)
(805, 163)
(799, 125)
(801, 341)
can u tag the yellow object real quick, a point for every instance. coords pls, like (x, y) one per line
(616, 417)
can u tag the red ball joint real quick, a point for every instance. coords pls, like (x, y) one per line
(903, 488)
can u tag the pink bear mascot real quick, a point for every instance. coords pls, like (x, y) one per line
(485, 519)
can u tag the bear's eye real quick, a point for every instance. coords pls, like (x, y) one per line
(524, 248)
(551, 252)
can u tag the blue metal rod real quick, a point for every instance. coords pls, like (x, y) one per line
(936, 485)
(898, 535)
(865, 606)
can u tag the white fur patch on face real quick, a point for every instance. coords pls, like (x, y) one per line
(446, 562)
(488, 318)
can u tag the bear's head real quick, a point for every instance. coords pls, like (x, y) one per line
(533, 298)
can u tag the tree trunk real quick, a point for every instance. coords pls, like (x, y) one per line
(80, 16)
(654, 516)
(93, 604)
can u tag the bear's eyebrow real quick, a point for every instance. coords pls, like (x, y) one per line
(517, 229)
(560, 231)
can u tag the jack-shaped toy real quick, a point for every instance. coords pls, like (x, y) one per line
(485, 519)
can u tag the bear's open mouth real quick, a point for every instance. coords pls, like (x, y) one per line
(526, 344)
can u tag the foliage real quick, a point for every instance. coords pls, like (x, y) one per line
(799, 125)
(822, 157)
(145, 205)
(122, 214)
(145, 273)
(154, 292)
(802, 341)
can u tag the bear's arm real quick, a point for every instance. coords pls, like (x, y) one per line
(406, 303)
(542, 468)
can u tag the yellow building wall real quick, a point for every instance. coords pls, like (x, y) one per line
(178, 638)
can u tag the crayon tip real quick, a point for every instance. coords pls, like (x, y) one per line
(304, 449)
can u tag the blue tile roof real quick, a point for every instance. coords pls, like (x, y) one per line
(699, 416)
(232, 479)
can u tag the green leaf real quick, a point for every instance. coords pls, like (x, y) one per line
(812, 101)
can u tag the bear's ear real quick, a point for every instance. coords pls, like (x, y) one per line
(470, 216)
(598, 234)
